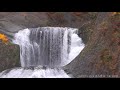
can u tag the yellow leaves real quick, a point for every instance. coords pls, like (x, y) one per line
(3, 38)
(115, 13)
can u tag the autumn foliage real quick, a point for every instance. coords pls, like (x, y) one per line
(115, 13)
(3, 38)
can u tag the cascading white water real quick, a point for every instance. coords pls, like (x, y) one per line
(34, 73)
(52, 47)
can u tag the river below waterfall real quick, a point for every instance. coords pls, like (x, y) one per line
(34, 73)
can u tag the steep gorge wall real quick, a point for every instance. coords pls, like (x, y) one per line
(101, 54)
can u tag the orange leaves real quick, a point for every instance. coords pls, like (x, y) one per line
(3, 38)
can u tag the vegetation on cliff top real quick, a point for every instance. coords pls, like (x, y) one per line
(3, 38)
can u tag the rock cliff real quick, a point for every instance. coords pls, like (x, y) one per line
(99, 31)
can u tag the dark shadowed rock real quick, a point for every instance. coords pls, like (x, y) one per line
(9, 56)
(101, 54)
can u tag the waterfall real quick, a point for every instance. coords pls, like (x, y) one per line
(47, 46)
(51, 47)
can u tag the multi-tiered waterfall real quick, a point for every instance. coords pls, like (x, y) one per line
(50, 47)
